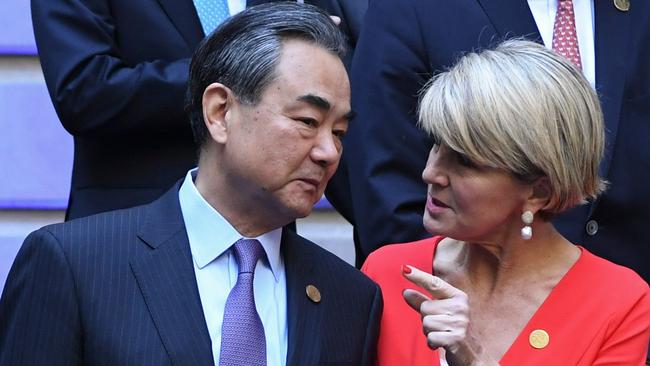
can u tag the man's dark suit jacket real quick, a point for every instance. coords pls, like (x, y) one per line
(117, 72)
(403, 42)
(119, 288)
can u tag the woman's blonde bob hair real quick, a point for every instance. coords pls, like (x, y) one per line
(526, 110)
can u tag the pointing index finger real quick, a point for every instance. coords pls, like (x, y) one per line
(434, 285)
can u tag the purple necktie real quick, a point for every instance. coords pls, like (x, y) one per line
(242, 333)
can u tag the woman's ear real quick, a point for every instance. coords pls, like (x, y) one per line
(541, 195)
(216, 103)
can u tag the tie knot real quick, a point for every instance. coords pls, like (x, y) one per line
(247, 253)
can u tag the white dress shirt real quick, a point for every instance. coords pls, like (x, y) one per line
(216, 270)
(544, 13)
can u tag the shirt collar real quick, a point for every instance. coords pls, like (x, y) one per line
(211, 235)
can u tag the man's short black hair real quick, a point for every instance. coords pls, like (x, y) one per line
(243, 52)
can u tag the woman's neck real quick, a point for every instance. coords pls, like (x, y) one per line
(512, 263)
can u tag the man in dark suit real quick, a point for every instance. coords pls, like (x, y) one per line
(403, 43)
(116, 71)
(268, 98)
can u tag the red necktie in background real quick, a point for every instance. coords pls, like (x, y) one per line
(565, 38)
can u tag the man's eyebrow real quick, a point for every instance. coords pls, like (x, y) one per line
(350, 115)
(324, 104)
(316, 101)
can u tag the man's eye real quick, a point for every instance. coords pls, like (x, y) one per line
(340, 134)
(308, 121)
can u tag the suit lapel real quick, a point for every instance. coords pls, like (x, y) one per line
(183, 15)
(511, 18)
(165, 275)
(304, 316)
(612, 47)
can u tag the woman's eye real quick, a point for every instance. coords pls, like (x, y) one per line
(465, 161)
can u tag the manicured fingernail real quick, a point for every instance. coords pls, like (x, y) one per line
(406, 269)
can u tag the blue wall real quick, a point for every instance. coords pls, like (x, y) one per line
(16, 37)
(35, 151)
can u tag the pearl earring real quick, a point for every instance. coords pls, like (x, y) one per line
(527, 231)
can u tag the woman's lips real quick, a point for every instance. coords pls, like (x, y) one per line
(438, 202)
(435, 206)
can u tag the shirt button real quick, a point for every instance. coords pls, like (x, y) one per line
(592, 227)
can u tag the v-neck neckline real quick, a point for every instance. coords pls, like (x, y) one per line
(522, 339)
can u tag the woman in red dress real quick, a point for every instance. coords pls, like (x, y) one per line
(518, 138)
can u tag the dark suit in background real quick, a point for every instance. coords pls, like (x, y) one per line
(404, 42)
(116, 71)
(352, 13)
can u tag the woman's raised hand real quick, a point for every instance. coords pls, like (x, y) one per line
(445, 317)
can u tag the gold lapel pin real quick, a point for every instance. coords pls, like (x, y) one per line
(539, 338)
(313, 294)
(622, 5)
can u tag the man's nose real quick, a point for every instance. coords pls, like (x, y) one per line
(327, 149)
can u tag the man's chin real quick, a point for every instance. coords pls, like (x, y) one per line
(300, 211)
(297, 205)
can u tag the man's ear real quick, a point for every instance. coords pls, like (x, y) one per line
(540, 196)
(217, 100)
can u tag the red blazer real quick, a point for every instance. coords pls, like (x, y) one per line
(598, 314)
